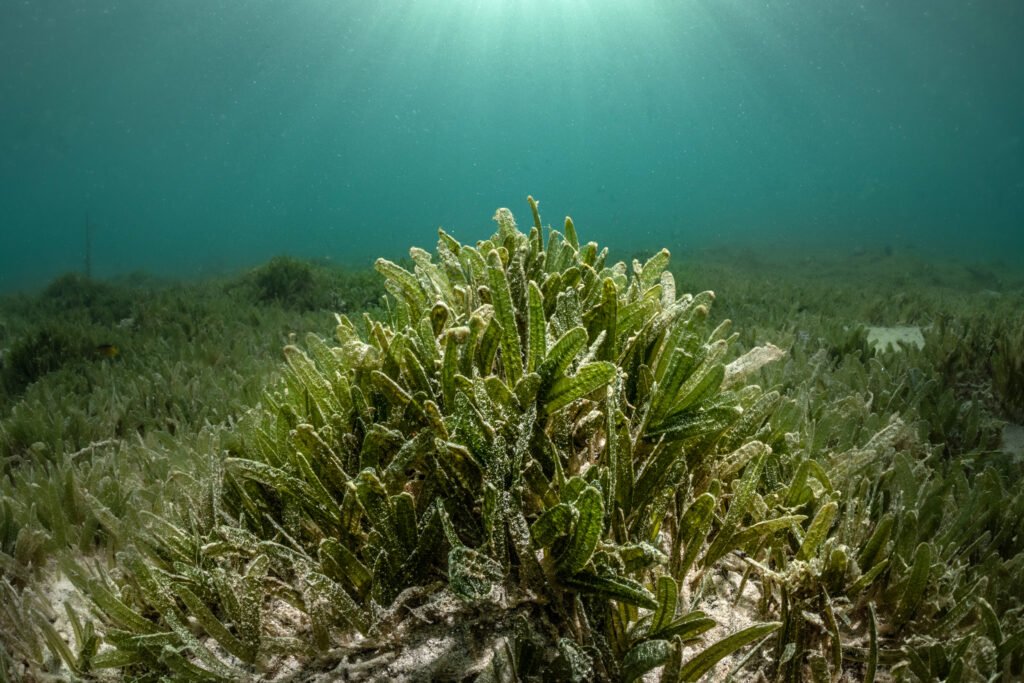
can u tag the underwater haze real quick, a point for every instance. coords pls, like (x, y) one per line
(203, 136)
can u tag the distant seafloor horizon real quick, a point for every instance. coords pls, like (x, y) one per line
(198, 138)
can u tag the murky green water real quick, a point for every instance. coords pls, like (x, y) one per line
(199, 136)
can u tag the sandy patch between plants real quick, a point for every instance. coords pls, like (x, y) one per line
(1013, 440)
(882, 338)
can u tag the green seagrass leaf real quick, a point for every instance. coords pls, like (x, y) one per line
(311, 379)
(797, 491)
(603, 318)
(702, 384)
(530, 572)
(692, 424)
(694, 669)
(536, 328)
(448, 249)
(677, 334)
(741, 499)
(417, 566)
(633, 316)
(489, 344)
(875, 544)
(334, 368)
(687, 627)
(756, 534)
(572, 488)
(565, 390)
(272, 477)
(730, 465)
(651, 483)
(379, 446)
(407, 284)
(668, 289)
(585, 534)
(57, 645)
(640, 556)
(570, 234)
(504, 313)
(471, 574)
(324, 597)
(836, 644)
(213, 626)
(872, 663)
(470, 427)
(751, 420)
(618, 588)
(570, 272)
(916, 584)
(694, 527)
(314, 447)
(405, 521)
(322, 505)
(550, 287)
(459, 463)
(673, 664)
(391, 390)
(500, 393)
(818, 531)
(568, 311)
(526, 389)
(561, 354)
(339, 563)
(449, 368)
(415, 375)
(572, 665)
(1011, 645)
(535, 210)
(650, 273)
(553, 252)
(618, 453)
(666, 594)
(643, 657)
(474, 265)
(185, 669)
(373, 498)
(666, 394)
(554, 523)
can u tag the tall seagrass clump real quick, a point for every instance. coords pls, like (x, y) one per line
(555, 440)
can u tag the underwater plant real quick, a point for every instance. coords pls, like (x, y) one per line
(36, 354)
(554, 442)
(302, 286)
(286, 281)
(88, 300)
(533, 465)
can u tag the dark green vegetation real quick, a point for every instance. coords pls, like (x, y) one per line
(534, 464)
(300, 286)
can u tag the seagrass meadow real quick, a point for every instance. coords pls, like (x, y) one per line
(522, 459)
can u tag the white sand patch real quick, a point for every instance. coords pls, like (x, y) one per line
(1013, 440)
(734, 612)
(54, 591)
(58, 592)
(751, 362)
(883, 338)
(444, 639)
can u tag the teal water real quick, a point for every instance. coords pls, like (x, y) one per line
(201, 136)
